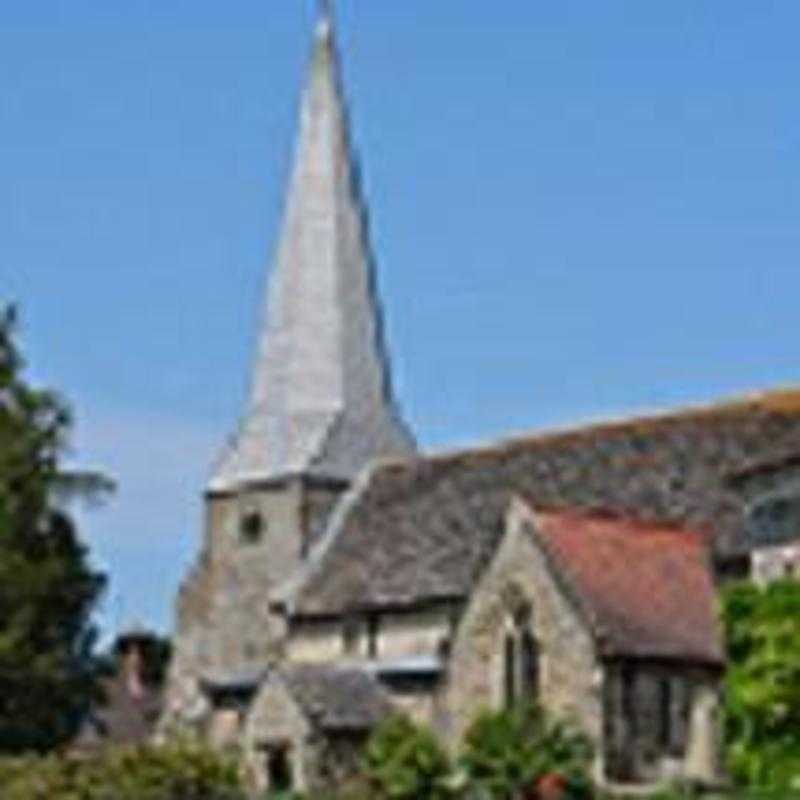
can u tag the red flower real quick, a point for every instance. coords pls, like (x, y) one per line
(551, 786)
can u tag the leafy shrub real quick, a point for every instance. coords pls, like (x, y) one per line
(506, 753)
(180, 772)
(763, 684)
(406, 762)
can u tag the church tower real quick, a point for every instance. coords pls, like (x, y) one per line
(321, 404)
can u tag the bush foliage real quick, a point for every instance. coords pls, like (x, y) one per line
(404, 761)
(507, 753)
(180, 772)
(763, 685)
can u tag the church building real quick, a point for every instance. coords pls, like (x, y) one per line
(344, 576)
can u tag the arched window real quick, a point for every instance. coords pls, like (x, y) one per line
(520, 658)
(529, 665)
(510, 670)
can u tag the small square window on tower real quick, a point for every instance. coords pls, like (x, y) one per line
(252, 527)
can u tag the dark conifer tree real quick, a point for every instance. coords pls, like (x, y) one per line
(47, 588)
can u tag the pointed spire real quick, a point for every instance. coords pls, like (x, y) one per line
(325, 28)
(324, 17)
(321, 400)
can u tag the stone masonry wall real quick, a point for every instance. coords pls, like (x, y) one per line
(317, 642)
(244, 629)
(319, 760)
(570, 674)
(399, 636)
(225, 623)
(275, 719)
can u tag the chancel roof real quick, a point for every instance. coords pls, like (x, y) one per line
(646, 590)
(424, 528)
(321, 401)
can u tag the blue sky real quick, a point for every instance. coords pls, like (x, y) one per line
(580, 210)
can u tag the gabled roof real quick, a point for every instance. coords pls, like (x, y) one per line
(425, 528)
(646, 590)
(336, 698)
(321, 402)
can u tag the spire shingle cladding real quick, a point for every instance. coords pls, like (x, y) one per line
(321, 400)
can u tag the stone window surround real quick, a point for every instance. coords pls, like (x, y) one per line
(521, 657)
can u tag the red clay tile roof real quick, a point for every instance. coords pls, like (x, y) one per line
(646, 590)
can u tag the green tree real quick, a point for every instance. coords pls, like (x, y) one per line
(404, 761)
(47, 588)
(505, 753)
(763, 683)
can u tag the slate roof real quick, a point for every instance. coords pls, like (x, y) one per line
(647, 591)
(423, 529)
(321, 401)
(336, 698)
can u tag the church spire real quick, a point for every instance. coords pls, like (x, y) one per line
(321, 401)
(325, 13)
(324, 32)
